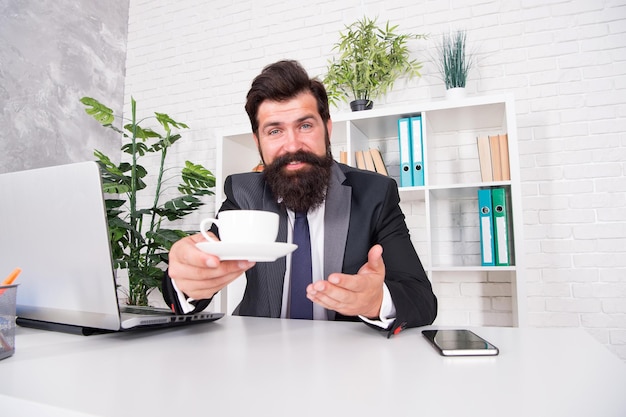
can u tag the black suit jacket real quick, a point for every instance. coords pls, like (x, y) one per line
(362, 209)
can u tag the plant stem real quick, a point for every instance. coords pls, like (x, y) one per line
(132, 195)
(157, 193)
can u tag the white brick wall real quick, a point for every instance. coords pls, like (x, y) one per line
(565, 61)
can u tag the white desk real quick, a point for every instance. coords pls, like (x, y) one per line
(269, 367)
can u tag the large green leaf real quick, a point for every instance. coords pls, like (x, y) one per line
(179, 207)
(115, 188)
(112, 203)
(166, 237)
(166, 121)
(106, 164)
(165, 142)
(98, 111)
(196, 180)
(141, 133)
(139, 148)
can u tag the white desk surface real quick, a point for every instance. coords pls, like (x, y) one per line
(269, 367)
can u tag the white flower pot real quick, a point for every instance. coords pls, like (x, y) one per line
(456, 93)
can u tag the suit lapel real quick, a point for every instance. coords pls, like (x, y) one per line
(336, 222)
(274, 271)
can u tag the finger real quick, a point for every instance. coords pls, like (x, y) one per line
(209, 260)
(200, 289)
(190, 272)
(330, 294)
(185, 252)
(330, 298)
(197, 238)
(344, 282)
(375, 263)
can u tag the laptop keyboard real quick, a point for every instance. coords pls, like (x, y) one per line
(144, 310)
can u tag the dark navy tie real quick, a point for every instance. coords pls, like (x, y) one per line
(301, 270)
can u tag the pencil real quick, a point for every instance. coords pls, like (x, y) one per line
(9, 280)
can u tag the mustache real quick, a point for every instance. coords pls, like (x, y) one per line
(300, 156)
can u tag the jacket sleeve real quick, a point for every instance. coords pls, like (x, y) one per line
(376, 218)
(410, 288)
(170, 296)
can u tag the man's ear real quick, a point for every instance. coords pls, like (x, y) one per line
(258, 147)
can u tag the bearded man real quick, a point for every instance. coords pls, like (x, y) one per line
(360, 261)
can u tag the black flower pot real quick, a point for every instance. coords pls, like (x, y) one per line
(358, 105)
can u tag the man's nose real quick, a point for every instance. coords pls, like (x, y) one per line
(292, 141)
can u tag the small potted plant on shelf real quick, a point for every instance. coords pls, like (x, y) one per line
(139, 239)
(370, 60)
(454, 63)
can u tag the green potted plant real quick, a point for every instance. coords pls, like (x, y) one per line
(139, 239)
(454, 62)
(370, 60)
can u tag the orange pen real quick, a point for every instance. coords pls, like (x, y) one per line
(12, 276)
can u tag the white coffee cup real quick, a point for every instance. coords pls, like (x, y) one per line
(243, 226)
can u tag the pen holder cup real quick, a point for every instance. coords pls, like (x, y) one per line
(7, 320)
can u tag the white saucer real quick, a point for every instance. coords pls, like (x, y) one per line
(257, 252)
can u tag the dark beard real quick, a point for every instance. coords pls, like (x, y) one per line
(303, 189)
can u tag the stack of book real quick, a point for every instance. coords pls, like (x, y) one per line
(371, 160)
(493, 155)
(495, 227)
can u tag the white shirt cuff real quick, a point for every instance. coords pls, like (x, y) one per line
(183, 300)
(387, 311)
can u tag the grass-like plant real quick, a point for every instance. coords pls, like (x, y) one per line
(371, 59)
(139, 240)
(454, 61)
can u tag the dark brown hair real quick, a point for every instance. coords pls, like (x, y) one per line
(280, 81)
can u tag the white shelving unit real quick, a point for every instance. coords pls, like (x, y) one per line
(443, 216)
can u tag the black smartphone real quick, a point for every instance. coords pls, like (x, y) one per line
(459, 342)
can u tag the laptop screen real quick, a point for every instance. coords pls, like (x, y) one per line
(53, 226)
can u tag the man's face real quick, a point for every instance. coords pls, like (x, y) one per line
(294, 145)
(286, 127)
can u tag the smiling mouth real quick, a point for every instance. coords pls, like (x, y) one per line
(295, 164)
(296, 161)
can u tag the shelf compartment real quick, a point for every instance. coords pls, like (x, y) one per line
(455, 230)
(451, 152)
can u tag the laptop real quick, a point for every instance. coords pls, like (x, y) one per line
(53, 226)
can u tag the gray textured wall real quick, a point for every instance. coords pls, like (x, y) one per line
(52, 53)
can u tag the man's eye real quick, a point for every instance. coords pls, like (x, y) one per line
(306, 126)
(273, 132)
